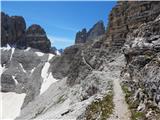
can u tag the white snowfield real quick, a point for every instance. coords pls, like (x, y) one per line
(47, 77)
(39, 53)
(10, 104)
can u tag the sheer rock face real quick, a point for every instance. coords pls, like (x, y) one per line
(127, 16)
(97, 30)
(14, 33)
(13, 29)
(81, 36)
(142, 52)
(36, 38)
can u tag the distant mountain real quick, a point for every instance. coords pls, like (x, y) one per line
(109, 74)
(14, 33)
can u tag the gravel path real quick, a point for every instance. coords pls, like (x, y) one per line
(121, 111)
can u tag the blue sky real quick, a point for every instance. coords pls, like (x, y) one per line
(61, 20)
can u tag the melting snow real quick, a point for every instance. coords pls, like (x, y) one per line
(6, 48)
(2, 69)
(50, 56)
(47, 82)
(58, 53)
(12, 51)
(44, 72)
(10, 105)
(22, 67)
(28, 48)
(39, 53)
(33, 70)
(47, 77)
(16, 82)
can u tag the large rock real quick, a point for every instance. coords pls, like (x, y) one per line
(97, 30)
(14, 33)
(127, 16)
(142, 52)
(36, 38)
(13, 29)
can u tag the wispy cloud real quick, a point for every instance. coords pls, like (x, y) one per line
(60, 42)
(65, 28)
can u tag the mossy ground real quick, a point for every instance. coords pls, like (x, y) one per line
(101, 109)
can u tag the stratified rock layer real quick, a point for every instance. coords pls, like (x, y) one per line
(127, 16)
(36, 38)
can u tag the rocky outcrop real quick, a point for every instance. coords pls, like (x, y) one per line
(97, 30)
(142, 52)
(22, 72)
(14, 33)
(127, 16)
(36, 38)
(81, 36)
(12, 30)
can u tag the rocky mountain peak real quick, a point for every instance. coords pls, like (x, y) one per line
(81, 36)
(12, 29)
(36, 38)
(97, 30)
(35, 30)
(14, 33)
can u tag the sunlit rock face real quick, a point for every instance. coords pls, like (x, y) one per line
(97, 30)
(142, 52)
(127, 16)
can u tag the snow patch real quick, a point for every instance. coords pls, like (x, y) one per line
(58, 53)
(14, 78)
(44, 72)
(33, 70)
(22, 68)
(11, 105)
(39, 53)
(28, 48)
(2, 69)
(6, 48)
(12, 51)
(50, 56)
(47, 77)
(47, 82)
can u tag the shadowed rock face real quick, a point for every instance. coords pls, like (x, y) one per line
(13, 29)
(81, 36)
(14, 33)
(36, 38)
(97, 30)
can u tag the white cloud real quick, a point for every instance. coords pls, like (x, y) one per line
(60, 42)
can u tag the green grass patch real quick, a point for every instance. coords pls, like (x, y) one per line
(100, 108)
(137, 115)
(60, 99)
